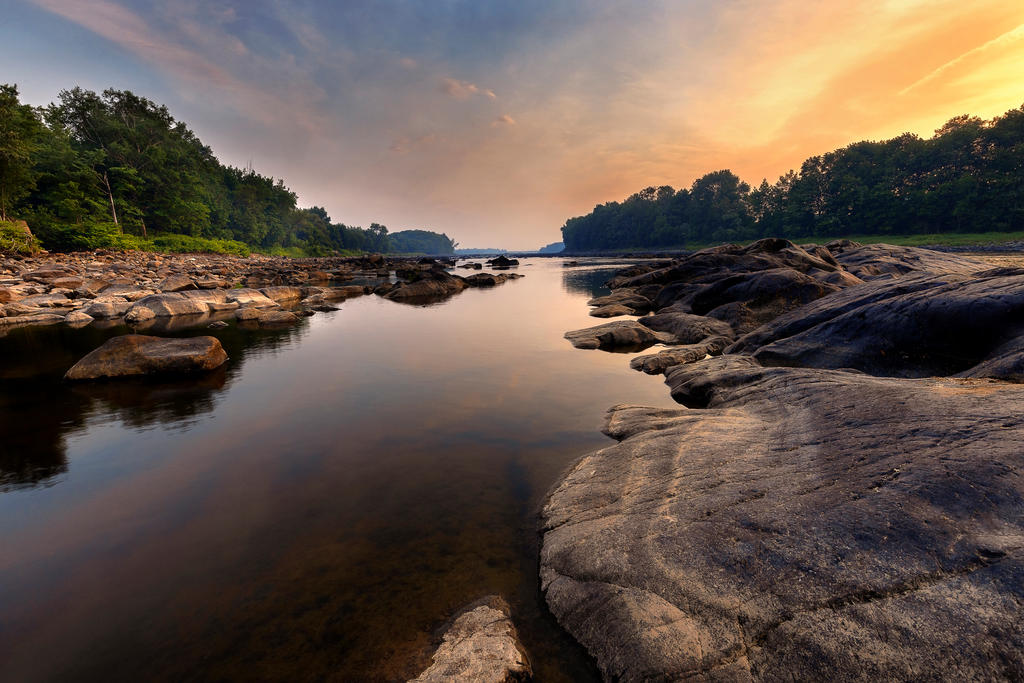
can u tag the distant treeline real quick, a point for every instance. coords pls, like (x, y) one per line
(117, 170)
(968, 178)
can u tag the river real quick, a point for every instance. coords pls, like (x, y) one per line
(315, 509)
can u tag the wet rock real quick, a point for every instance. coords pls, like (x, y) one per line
(502, 262)
(621, 334)
(432, 284)
(217, 325)
(7, 295)
(805, 521)
(135, 354)
(490, 279)
(480, 646)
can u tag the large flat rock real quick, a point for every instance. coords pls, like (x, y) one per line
(136, 354)
(804, 524)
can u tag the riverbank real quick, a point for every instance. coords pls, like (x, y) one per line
(164, 292)
(841, 491)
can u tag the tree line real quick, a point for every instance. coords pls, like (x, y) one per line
(117, 170)
(967, 178)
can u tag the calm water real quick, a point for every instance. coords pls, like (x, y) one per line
(313, 511)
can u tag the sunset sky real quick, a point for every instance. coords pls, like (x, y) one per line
(494, 121)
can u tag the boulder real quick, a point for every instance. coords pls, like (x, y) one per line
(135, 354)
(480, 646)
(502, 261)
(78, 318)
(804, 523)
(611, 311)
(108, 307)
(629, 297)
(282, 293)
(176, 283)
(250, 297)
(686, 328)
(621, 335)
(170, 303)
(914, 326)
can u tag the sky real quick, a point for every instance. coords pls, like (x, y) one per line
(495, 120)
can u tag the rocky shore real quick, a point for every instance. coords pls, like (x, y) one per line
(841, 495)
(159, 293)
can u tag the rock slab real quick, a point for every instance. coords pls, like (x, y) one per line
(802, 521)
(136, 354)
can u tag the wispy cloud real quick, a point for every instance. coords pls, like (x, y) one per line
(504, 120)
(999, 41)
(462, 90)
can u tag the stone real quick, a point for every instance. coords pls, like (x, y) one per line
(140, 314)
(134, 354)
(658, 363)
(78, 318)
(911, 326)
(176, 283)
(276, 318)
(611, 311)
(282, 293)
(217, 325)
(480, 646)
(170, 303)
(250, 297)
(794, 522)
(10, 321)
(108, 307)
(502, 261)
(621, 334)
(686, 328)
(7, 295)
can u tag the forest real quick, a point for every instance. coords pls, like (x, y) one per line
(116, 170)
(967, 178)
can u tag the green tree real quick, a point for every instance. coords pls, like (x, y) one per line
(20, 129)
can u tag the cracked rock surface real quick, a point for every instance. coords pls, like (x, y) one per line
(804, 521)
(842, 495)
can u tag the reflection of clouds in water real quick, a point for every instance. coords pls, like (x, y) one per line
(43, 410)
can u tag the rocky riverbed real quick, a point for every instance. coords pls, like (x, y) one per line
(164, 292)
(840, 496)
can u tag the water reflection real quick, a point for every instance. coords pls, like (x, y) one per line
(40, 410)
(313, 515)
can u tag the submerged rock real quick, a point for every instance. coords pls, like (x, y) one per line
(136, 354)
(805, 521)
(481, 646)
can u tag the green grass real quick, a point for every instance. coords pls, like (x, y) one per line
(14, 239)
